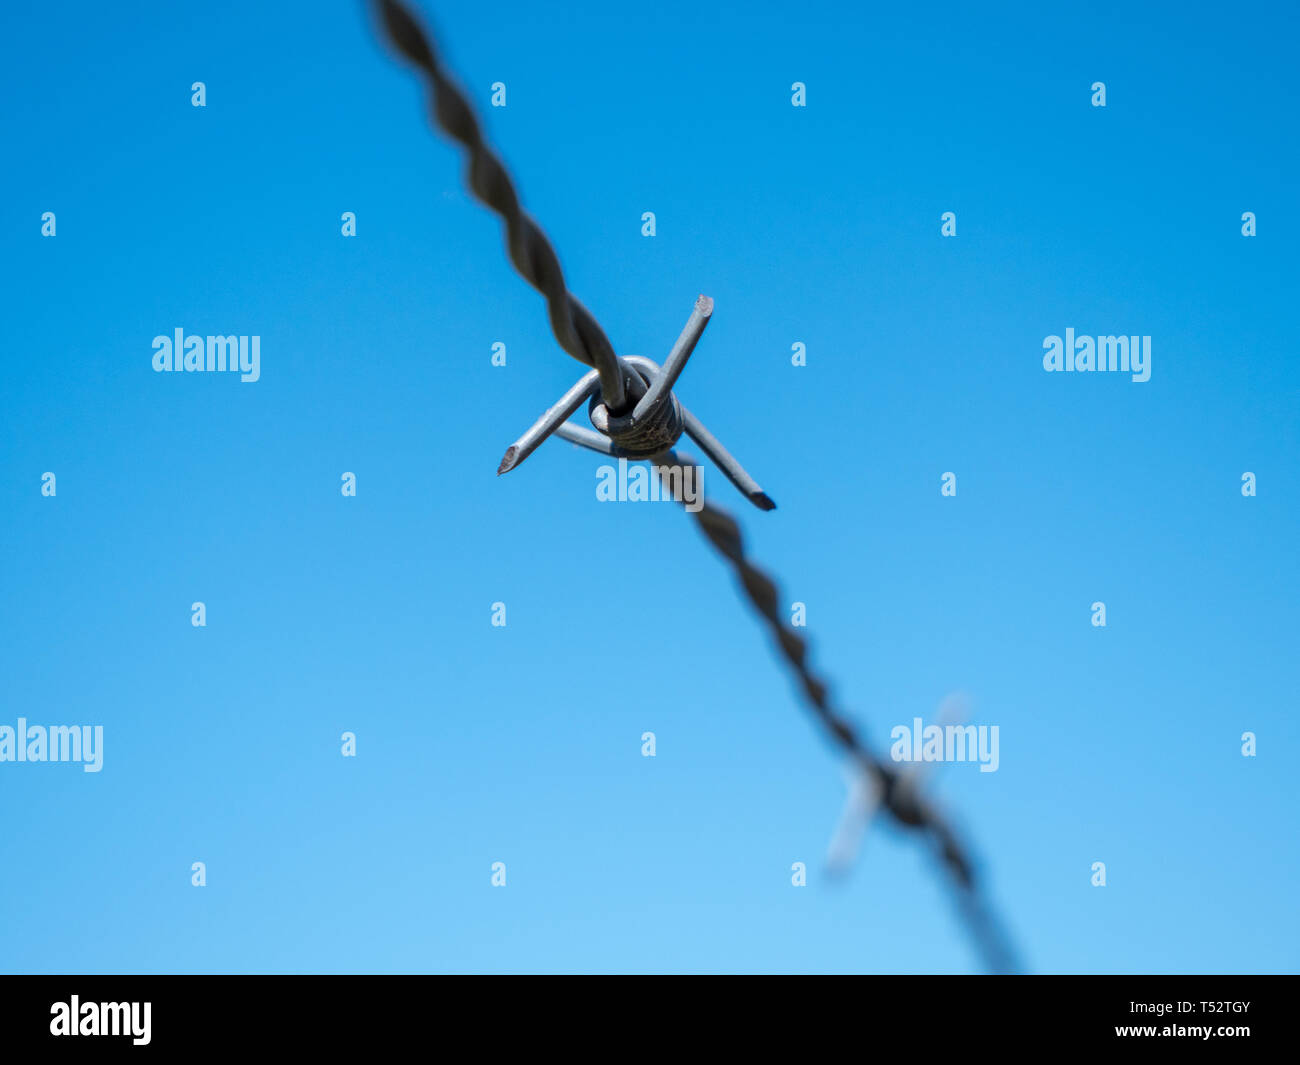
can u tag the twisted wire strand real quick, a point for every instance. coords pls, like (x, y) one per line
(575, 328)
(903, 802)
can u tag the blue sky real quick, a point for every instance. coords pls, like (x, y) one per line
(476, 744)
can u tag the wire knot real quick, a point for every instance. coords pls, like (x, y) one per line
(651, 427)
(650, 420)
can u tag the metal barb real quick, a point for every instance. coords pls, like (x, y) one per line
(658, 419)
(555, 416)
(681, 351)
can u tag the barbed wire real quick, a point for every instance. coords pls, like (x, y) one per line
(644, 383)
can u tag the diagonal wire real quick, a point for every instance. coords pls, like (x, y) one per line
(574, 327)
(581, 336)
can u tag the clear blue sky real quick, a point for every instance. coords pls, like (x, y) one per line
(478, 744)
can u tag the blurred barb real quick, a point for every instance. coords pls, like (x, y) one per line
(860, 806)
(573, 325)
(655, 421)
(863, 799)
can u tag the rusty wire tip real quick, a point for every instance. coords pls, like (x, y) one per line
(508, 460)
